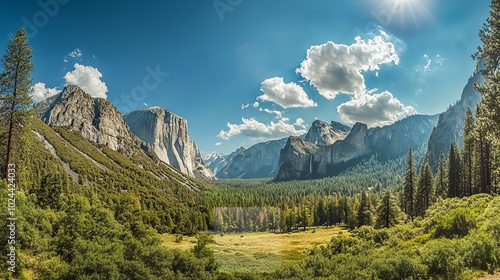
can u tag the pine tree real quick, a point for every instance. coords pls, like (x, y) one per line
(365, 211)
(15, 100)
(321, 213)
(409, 185)
(441, 180)
(482, 152)
(425, 191)
(454, 171)
(468, 152)
(388, 211)
(489, 117)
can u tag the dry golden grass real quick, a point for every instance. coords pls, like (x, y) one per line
(259, 251)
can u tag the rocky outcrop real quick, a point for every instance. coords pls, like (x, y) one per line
(96, 119)
(389, 142)
(259, 161)
(167, 135)
(296, 159)
(450, 125)
(323, 134)
(355, 145)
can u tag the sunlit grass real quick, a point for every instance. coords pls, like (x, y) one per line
(259, 251)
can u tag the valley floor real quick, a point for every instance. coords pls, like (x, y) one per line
(261, 251)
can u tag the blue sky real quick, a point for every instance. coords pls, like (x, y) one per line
(243, 71)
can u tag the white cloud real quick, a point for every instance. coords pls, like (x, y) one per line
(75, 54)
(335, 68)
(218, 143)
(429, 64)
(300, 123)
(257, 130)
(87, 78)
(374, 110)
(41, 92)
(255, 105)
(286, 95)
(278, 114)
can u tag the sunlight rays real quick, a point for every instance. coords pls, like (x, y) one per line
(407, 13)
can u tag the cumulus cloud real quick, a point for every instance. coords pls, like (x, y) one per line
(257, 130)
(40, 92)
(286, 95)
(75, 54)
(300, 123)
(336, 68)
(374, 110)
(87, 78)
(218, 143)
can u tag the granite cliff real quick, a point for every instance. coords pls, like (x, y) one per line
(167, 135)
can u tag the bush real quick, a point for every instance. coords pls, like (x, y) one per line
(482, 252)
(443, 258)
(455, 223)
(393, 266)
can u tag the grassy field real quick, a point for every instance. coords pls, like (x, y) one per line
(259, 251)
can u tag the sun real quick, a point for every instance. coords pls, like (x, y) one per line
(407, 13)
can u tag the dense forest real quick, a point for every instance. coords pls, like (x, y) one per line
(84, 211)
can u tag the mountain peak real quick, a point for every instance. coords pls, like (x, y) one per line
(322, 134)
(96, 119)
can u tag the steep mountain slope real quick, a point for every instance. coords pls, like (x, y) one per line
(259, 161)
(96, 119)
(163, 193)
(450, 125)
(167, 134)
(389, 142)
(296, 159)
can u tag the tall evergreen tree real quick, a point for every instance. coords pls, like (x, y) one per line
(468, 152)
(482, 152)
(409, 185)
(365, 211)
(454, 171)
(425, 192)
(489, 55)
(388, 211)
(441, 179)
(16, 105)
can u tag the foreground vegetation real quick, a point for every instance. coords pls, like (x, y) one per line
(458, 238)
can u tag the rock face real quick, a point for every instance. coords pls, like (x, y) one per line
(167, 135)
(259, 161)
(389, 142)
(96, 119)
(296, 159)
(323, 134)
(450, 125)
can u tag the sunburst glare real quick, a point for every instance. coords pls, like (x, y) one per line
(407, 13)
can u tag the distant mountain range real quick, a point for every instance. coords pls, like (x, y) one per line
(328, 149)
